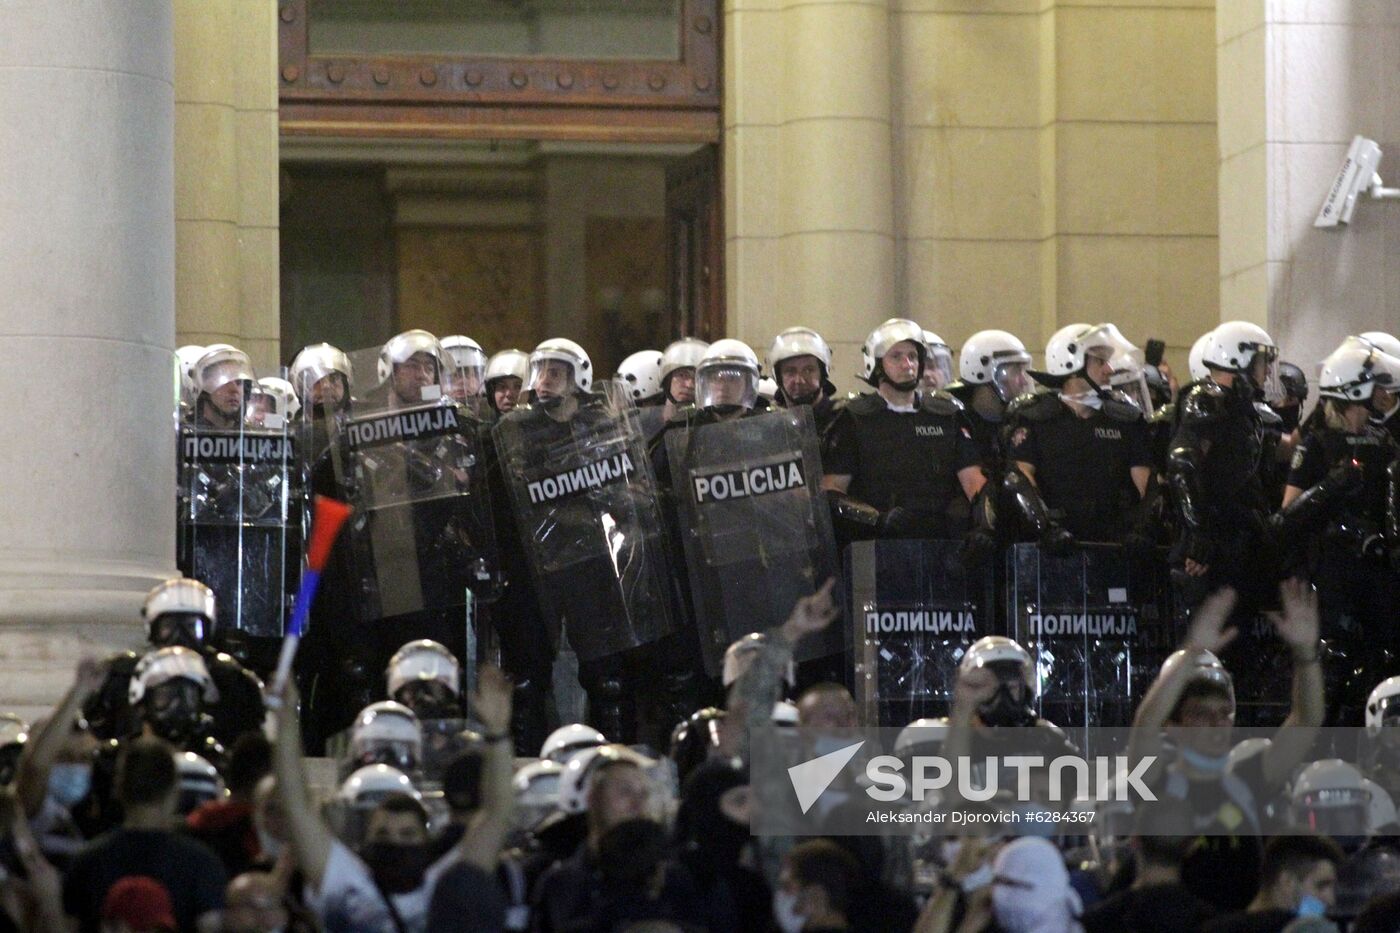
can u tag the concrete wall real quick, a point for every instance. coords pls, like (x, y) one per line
(1296, 81)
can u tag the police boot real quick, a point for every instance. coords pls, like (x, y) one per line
(529, 716)
(611, 710)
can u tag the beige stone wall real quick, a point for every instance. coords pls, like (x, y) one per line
(1049, 161)
(226, 171)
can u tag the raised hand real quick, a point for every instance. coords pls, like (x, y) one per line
(1208, 630)
(1298, 624)
(812, 613)
(491, 701)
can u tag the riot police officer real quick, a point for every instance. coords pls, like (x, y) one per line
(678, 362)
(992, 368)
(426, 678)
(321, 375)
(1340, 506)
(800, 362)
(1214, 472)
(938, 363)
(468, 367)
(506, 373)
(1080, 458)
(898, 465)
(171, 691)
(726, 388)
(1385, 402)
(640, 375)
(223, 380)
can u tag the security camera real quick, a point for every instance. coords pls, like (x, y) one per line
(1357, 176)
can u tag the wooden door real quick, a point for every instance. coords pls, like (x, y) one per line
(695, 245)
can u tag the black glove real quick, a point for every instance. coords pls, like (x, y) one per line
(1056, 541)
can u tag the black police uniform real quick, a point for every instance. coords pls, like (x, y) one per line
(1214, 472)
(1083, 465)
(1341, 520)
(903, 466)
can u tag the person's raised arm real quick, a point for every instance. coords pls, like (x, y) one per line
(1299, 626)
(311, 839)
(481, 843)
(40, 752)
(1208, 632)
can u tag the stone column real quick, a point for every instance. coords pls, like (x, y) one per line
(226, 174)
(1296, 82)
(809, 207)
(86, 332)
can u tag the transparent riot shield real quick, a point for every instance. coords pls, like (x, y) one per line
(240, 523)
(585, 503)
(1097, 625)
(754, 525)
(915, 610)
(1257, 656)
(411, 464)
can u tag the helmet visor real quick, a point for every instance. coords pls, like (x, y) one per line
(938, 367)
(722, 386)
(1133, 384)
(1334, 811)
(1011, 379)
(551, 377)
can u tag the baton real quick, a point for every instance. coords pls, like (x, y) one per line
(327, 517)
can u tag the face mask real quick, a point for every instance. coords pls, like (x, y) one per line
(69, 783)
(1088, 399)
(1211, 764)
(1310, 906)
(397, 868)
(785, 913)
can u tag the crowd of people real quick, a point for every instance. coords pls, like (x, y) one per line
(508, 509)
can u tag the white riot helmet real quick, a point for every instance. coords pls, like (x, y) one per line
(922, 736)
(186, 605)
(198, 780)
(371, 784)
(1196, 359)
(727, 376)
(882, 339)
(508, 363)
(681, 354)
(938, 356)
(314, 363)
(1381, 812)
(1382, 341)
(220, 365)
(1069, 348)
(998, 649)
(1355, 369)
(767, 388)
(13, 730)
(561, 350)
(1383, 705)
(185, 359)
(1234, 344)
(167, 664)
(423, 660)
(640, 375)
(795, 342)
(784, 714)
(284, 406)
(567, 741)
(387, 733)
(581, 770)
(403, 347)
(740, 654)
(1329, 797)
(1243, 751)
(468, 364)
(536, 789)
(995, 358)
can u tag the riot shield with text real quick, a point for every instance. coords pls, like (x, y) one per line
(754, 526)
(586, 508)
(421, 533)
(240, 523)
(915, 610)
(1097, 625)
